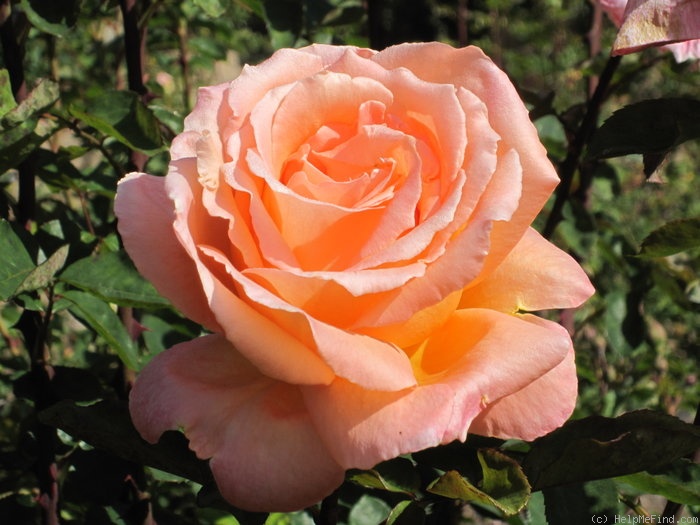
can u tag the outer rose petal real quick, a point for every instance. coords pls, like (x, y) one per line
(540, 407)
(477, 357)
(146, 217)
(536, 275)
(247, 423)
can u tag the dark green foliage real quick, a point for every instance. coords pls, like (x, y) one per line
(77, 320)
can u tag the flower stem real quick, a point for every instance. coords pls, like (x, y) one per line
(568, 167)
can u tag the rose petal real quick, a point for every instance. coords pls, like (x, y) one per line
(683, 51)
(417, 328)
(653, 22)
(363, 360)
(477, 357)
(248, 424)
(536, 275)
(470, 69)
(364, 427)
(461, 263)
(311, 103)
(255, 336)
(415, 107)
(540, 407)
(283, 67)
(615, 10)
(271, 245)
(486, 355)
(210, 114)
(145, 224)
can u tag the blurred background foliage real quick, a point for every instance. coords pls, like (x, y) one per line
(93, 89)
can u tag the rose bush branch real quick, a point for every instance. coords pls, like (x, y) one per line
(33, 325)
(572, 162)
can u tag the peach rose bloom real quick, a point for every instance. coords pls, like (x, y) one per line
(353, 227)
(673, 25)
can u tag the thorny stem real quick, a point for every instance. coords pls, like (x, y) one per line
(134, 47)
(593, 37)
(33, 325)
(133, 43)
(34, 328)
(567, 168)
(135, 50)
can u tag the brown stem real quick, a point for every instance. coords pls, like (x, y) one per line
(34, 329)
(375, 24)
(184, 64)
(32, 325)
(594, 37)
(133, 46)
(567, 169)
(462, 17)
(134, 50)
(86, 212)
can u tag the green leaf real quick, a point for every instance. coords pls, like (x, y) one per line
(38, 101)
(599, 447)
(406, 513)
(256, 6)
(76, 384)
(535, 512)
(503, 481)
(396, 475)
(122, 115)
(7, 99)
(106, 425)
(17, 142)
(56, 18)
(349, 12)
(21, 129)
(99, 316)
(212, 8)
(43, 275)
(672, 237)
(284, 20)
(582, 503)
(504, 485)
(647, 127)
(289, 518)
(15, 262)
(368, 511)
(112, 276)
(680, 482)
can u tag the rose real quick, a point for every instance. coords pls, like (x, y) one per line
(353, 227)
(647, 23)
